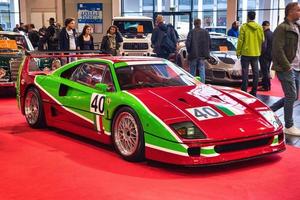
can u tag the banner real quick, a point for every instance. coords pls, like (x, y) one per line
(91, 14)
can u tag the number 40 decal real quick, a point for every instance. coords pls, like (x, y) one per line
(97, 103)
(204, 113)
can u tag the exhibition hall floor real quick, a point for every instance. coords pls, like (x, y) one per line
(52, 164)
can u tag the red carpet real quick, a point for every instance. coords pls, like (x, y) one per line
(276, 89)
(49, 164)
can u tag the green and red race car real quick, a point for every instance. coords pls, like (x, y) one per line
(147, 108)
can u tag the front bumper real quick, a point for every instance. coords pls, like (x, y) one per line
(216, 75)
(7, 84)
(198, 154)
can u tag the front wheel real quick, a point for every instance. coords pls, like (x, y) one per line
(127, 135)
(34, 112)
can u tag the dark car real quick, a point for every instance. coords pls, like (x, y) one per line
(12, 48)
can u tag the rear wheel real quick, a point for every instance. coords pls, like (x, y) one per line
(34, 112)
(127, 135)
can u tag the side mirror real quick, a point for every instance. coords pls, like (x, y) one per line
(101, 87)
(197, 78)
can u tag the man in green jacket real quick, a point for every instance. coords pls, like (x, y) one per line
(249, 48)
(286, 63)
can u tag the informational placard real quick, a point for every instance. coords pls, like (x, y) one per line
(8, 44)
(91, 14)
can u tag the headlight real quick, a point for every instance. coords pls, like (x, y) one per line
(188, 130)
(212, 60)
(272, 118)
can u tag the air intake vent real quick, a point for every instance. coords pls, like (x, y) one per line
(135, 46)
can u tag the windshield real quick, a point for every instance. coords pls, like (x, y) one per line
(14, 42)
(223, 44)
(216, 30)
(134, 27)
(153, 75)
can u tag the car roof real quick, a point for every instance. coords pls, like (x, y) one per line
(133, 18)
(11, 33)
(119, 59)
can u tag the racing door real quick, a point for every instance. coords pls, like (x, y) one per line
(83, 102)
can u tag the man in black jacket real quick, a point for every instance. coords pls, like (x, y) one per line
(198, 48)
(266, 57)
(163, 39)
(68, 36)
(52, 36)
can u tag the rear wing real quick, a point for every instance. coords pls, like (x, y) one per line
(38, 61)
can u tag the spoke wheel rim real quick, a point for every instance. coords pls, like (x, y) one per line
(126, 134)
(31, 108)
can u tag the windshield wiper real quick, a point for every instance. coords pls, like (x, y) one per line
(144, 84)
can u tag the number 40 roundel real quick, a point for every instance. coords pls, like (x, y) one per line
(97, 103)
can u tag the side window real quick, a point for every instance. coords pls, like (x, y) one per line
(108, 80)
(89, 73)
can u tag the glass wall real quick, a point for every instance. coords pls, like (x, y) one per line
(272, 11)
(9, 14)
(212, 12)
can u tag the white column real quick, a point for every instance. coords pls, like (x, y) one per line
(200, 8)
(215, 12)
(231, 12)
(23, 11)
(116, 8)
(159, 6)
(59, 11)
(244, 14)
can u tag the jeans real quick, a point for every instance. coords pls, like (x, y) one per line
(198, 63)
(245, 61)
(265, 70)
(290, 86)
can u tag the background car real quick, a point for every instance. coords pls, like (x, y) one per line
(223, 66)
(12, 48)
(149, 108)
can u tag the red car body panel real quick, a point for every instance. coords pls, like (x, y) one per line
(170, 105)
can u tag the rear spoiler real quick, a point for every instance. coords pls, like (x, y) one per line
(73, 53)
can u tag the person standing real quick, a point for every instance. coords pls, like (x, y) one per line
(68, 36)
(163, 39)
(52, 36)
(85, 39)
(286, 63)
(266, 57)
(198, 48)
(111, 42)
(234, 31)
(249, 48)
(16, 29)
(33, 36)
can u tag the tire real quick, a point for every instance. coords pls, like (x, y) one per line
(132, 147)
(33, 109)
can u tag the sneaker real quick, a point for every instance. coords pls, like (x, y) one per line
(292, 131)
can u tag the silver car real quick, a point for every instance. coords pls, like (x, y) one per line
(223, 66)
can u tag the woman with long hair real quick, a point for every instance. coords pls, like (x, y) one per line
(111, 41)
(85, 39)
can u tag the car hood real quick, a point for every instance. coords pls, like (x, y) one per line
(231, 113)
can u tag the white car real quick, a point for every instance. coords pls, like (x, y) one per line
(136, 32)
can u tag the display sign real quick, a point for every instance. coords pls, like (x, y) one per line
(8, 44)
(223, 48)
(91, 14)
